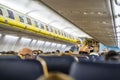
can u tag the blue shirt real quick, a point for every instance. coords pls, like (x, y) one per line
(74, 49)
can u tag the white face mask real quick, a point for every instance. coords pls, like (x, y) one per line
(79, 45)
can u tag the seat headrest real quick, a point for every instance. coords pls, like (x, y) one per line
(12, 69)
(85, 70)
(9, 57)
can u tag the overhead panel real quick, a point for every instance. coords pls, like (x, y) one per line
(88, 15)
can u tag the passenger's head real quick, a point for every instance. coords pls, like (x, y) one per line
(56, 76)
(91, 49)
(112, 55)
(11, 52)
(26, 53)
(77, 42)
(53, 52)
(58, 51)
(35, 52)
(40, 51)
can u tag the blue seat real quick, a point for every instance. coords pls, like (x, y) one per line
(85, 70)
(12, 69)
(9, 57)
(58, 63)
(83, 58)
(95, 58)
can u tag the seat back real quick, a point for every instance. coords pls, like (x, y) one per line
(85, 70)
(84, 58)
(12, 69)
(9, 57)
(58, 63)
(95, 58)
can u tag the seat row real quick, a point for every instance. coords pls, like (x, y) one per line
(14, 68)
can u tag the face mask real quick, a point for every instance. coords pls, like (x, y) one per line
(79, 45)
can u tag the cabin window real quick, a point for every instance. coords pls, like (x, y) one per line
(47, 28)
(1, 13)
(36, 24)
(72, 37)
(61, 33)
(68, 36)
(29, 21)
(21, 19)
(58, 32)
(64, 34)
(55, 31)
(51, 29)
(42, 26)
(10, 14)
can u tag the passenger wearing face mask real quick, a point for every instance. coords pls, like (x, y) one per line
(84, 49)
(74, 49)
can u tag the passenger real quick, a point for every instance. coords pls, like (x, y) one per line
(47, 53)
(104, 52)
(35, 52)
(11, 52)
(94, 51)
(40, 51)
(112, 56)
(26, 53)
(56, 76)
(61, 54)
(68, 52)
(84, 50)
(75, 48)
(57, 51)
(3, 52)
(53, 52)
(91, 49)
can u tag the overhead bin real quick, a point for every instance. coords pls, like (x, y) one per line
(22, 26)
(17, 20)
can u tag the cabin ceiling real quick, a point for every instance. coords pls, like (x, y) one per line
(92, 16)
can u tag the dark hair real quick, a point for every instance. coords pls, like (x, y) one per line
(111, 54)
(66, 51)
(58, 51)
(78, 42)
(11, 52)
